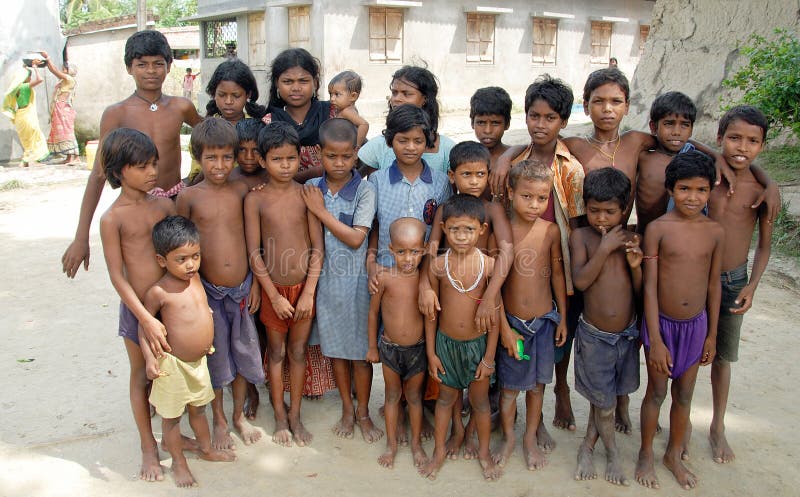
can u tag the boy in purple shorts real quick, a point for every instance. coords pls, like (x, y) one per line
(683, 255)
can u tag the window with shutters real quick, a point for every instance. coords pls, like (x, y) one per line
(480, 38)
(601, 42)
(300, 27)
(385, 35)
(644, 32)
(257, 38)
(545, 41)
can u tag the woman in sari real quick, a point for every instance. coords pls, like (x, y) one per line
(62, 115)
(19, 104)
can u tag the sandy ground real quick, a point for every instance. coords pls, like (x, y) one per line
(67, 430)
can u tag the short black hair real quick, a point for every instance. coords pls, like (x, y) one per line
(405, 118)
(554, 91)
(248, 129)
(289, 58)
(174, 232)
(530, 170)
(212, 132)
(338, 130)
(424, 81)
(147, 43)
(462, 204)
(469, 151)
(747, 113)
(351, 80)
(604, 76)
(125, 147)
(607, 183)
(490, 100)
(276, 134)
(692, 164)
(672, 102)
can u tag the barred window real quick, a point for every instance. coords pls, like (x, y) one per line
(220, 38)
(480, 38)
(601, 42)
(545, 40)
(385, 35)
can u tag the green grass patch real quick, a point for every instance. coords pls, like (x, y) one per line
(786, 233)
(782, 163)
(13, 184)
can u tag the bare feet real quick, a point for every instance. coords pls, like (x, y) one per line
(427, 429)
(221, 437)
(387, 458)
(187, 445)
(248, 432)
(646, 471)
(534, 458)
(282, 435)
(453, 446)
(420, 457)
(585, 469)
(544, 440)
(151, 469)
(251, 402)
(181, 474)
(503, 453)
(563, 418)
(215, 455)
(345, 426)
(302, 437)
(430, 469)
(369, 431)
(622, 420)
(686, 479)
(491, 471)
(470, 448)
(720, 449)
(614, 473)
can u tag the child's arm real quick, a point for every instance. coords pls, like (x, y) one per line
(152, 302)
(500, 169)
(359, 122)
(485, 317)
(760, 260)
(508, 337)
(305, 304)
(372, 257)
(771, 194)
(434, 364)
(487, 365)
(190, 115)
(585, 269)
(372, 324)
(353, 236)
(660, 358)
(427, 300)
(714, 298)
(633, 254)
(558, 282)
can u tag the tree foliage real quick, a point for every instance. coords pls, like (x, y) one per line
(76, 12)
(771, 79)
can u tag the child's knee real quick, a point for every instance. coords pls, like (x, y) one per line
(392, 395)
(480, 404)
(276, 354)
(605, 414)
(447, 397)
(297, 353)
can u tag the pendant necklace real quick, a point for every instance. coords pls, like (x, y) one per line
(611, 156)
(153, 104)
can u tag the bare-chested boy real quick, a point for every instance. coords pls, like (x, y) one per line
(683, 252)
(460, 354)
(285, 245)
(490, 116)
(742, 134)
(129, 160)
(532, 321)
(248, 169)
(180, 379)
(401, 347)
(606, 267)
(215, 205)
(147, 58)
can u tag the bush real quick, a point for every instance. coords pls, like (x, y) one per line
(771, 79)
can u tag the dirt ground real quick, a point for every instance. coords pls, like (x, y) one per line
(67, 429)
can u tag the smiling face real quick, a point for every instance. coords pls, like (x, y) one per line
(183, 262)
(217, 164)
(149, 72)
(296, 86)
(529, 198)
(602, 216)
(543, 123)
(141, 177)
(462, 232)
(607, 106)
(489, 129)
(230, 99)
(672, 132)
(690, 195)
(470, 178)
(281, 162)
(338, 159)
(741, 143)
(408, 146)
(403, 92)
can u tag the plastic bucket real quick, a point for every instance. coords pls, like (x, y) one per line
(91, 151)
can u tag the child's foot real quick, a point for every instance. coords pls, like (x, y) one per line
(491, 471)
(187, 445)
(534, 458)
(622, 421)
(345, 426)
(503, 453)
(282, 435)
(302, 437)
(585, 469)
(249, 433)
(470, 448)
(369, 431)
(564, 418)
(420, 457)
(544, 440)
(430, 469)
(215, 455)
(614, 472)
(182, 476)
(427, 429)
(221, 438)
(686, 479)
(453, 446)
(251, 402)
(151, 469)
(720, 449)
(387, 458)
(646, 471)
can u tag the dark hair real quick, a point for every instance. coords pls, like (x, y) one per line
(469, 151)
(125, 147)
(490, 100)
(604, 76)
(174, 232)
(212, 132)
(407, 117)
(238, 72)
(289, 58)
(147, 43)
(530, 170)
(692, 164)
(351, 80)
(747, 113)
(189, 69)
(606, 184)
(424, 81)
(462, 204)
(248, 129)
(555, 92)
(275, 134)
(337, 130)
(672, 102)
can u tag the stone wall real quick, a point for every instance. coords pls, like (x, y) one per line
(693, 46)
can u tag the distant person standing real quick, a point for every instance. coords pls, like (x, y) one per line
(19, 104)
(62, 114)
(188, 82)
(612, 62)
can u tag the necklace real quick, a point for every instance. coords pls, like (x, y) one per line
(153, 104)
(602, 142)
(606, 154)
(458, 285)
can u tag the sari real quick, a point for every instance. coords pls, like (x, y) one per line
(62, 120)
(19, 104)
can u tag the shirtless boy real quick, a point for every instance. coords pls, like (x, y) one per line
(401, 347)
(248, 170)
(742, 134)
(535, 282)
(180, 379)
(215, 206)
(490, 116)
(344, 90)
(147, 58)
(129, 160)
(683, 252)
(460, 354)
(606, 267)
(285, 246)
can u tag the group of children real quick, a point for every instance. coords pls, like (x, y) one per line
(478, 279)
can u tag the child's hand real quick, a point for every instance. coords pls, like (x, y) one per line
(498, 176)
(744, 300)
(254, 299)
(156, 335)
(372, 272)
(723, 169)
(561, 333)
(435, 367)
(509, 337)
(312, 196)
(660, 358)
(483, 370)
(612, 239)
(709, 351)
(485, 316)
(372, 356)
(428, 304)
(283, 309)
(633, 253)
(152, 371)
(305, 306)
